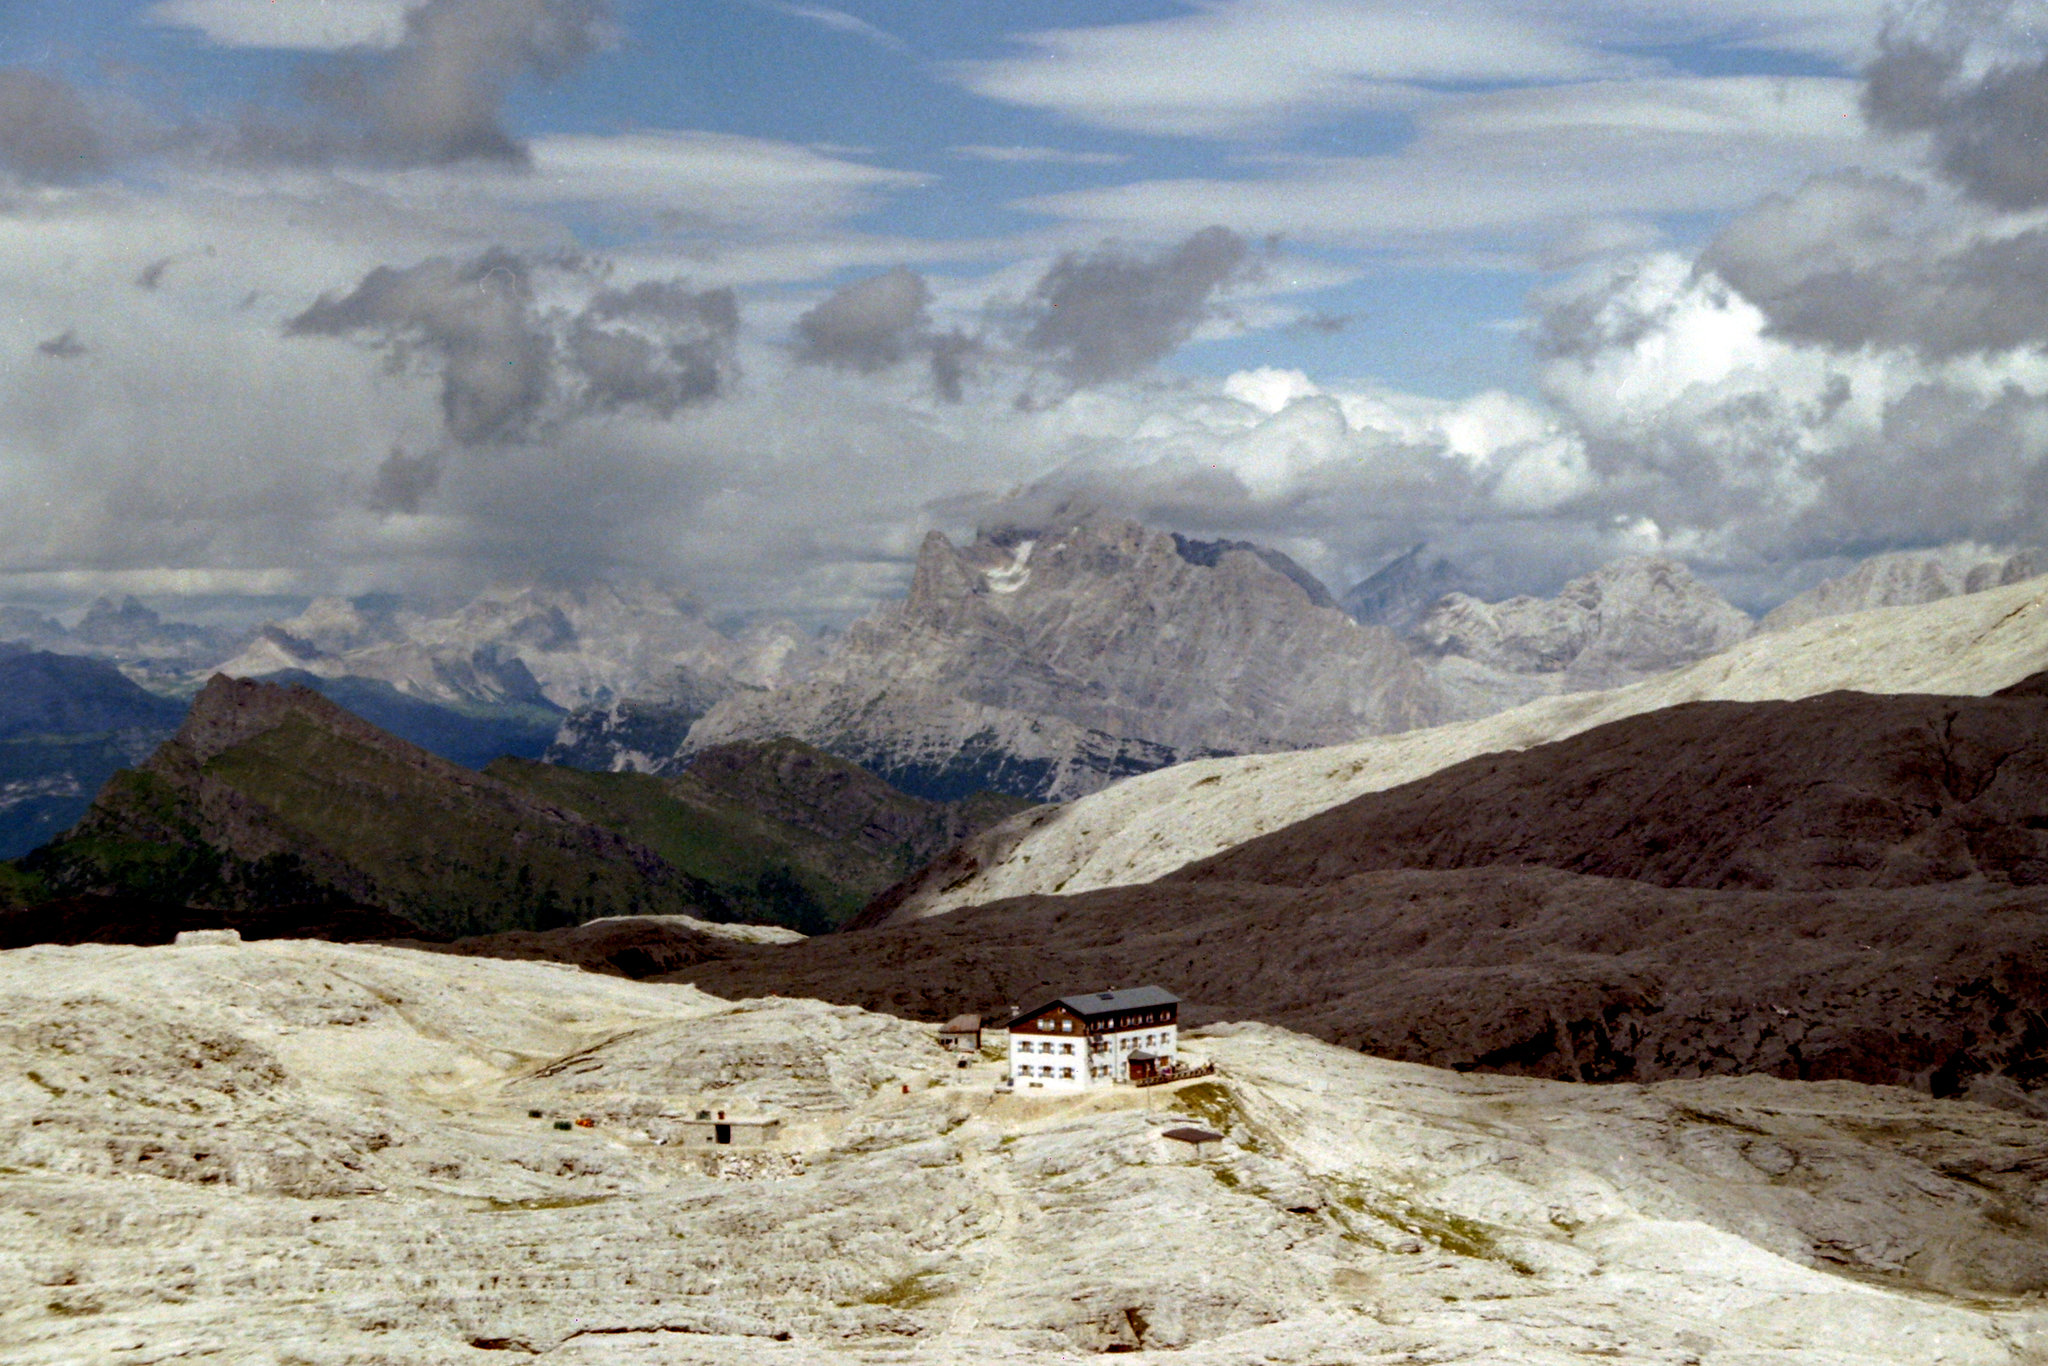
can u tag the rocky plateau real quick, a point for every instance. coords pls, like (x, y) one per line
(327, 1155)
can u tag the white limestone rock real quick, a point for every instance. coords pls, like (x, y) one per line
(1145, 827)
(566, 647)
(1905, 578)
(1626, 621)
(312, 1153)
(1049, 662)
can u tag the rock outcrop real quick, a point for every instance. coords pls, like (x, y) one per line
(1050, 661)
(1905, 578)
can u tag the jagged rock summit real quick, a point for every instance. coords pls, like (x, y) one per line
(565, 648)
(1625, 621)
(1907, 577)
(1049, 661)
(1399, 595)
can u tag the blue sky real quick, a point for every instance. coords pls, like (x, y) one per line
(342, 293)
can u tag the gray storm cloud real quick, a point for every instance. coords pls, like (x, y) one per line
(1892, 396)
(403, 481)
(657, 345)
(1941, 70)
(46, 131)
(1110, 314)
(868, 325)
(873, 324)
(506, 365)
(1844, 262)
(439, 95)
(476, 319)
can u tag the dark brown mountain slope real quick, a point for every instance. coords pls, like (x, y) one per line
(1672, 963)
(1524, 970)
(1842, 790)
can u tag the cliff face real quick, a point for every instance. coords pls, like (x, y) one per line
(1623, 622)
(1048, 662)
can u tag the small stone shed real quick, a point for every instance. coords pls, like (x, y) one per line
(961, 1034)
(716, 1128)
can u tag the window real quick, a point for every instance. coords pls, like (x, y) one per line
(1067, 1072)
(1066, 1048)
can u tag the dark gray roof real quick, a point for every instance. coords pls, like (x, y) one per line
(1094, 1003)
(1110, 1002)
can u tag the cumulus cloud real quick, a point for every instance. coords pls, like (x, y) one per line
(866, 325)
(46, 132)
(1751, 449)
(1971, 74)
(438, 95)
(505, 364)
(475, 318)
(1849, 260)
(1111, 313)
(658, 345)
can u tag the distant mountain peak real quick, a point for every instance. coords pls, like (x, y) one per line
(1048, 660)
(1400, 593)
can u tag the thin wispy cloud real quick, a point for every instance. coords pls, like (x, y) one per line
(1039, 156)
(836, 21)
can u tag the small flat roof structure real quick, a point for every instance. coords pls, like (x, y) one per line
(962, 1024)
(1195, 1136)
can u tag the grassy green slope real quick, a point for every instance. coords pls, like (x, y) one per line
(782, 831)
(273, 796)
(305, 812)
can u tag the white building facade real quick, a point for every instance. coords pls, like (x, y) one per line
(1094, 1040)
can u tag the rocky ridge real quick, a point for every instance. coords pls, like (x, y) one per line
(1147, 826)
(1904, 578)
(328, 1154)
(568, 648)
(1629, 620)
(271, 795)
(1400, 593)
(1048, 662)
(1846, 886)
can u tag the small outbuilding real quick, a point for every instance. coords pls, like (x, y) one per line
(961, 1034)
(717, 1127)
